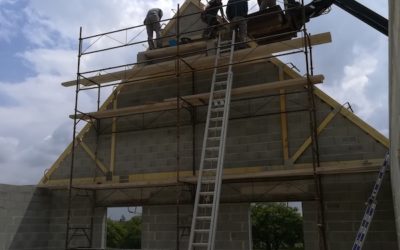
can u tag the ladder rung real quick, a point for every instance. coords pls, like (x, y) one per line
(215, 129)
(203, 218)
(221, 74)
(205, 205)
(225, 42)
(208, 181)
(218, 109)
(221, 82)
(212, 148)
(200, 244)
(207, 193)
(211, 159)
(202, 230)
(214, 138)
(219, 92)
(225, 50)
(214, 119)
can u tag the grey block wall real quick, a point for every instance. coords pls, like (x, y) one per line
(159, 227)
(146, 143)
(81, 215)
(35, 219)
(24, 217)
(344, 204)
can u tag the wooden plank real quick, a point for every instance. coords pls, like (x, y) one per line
(284, 122)
(258, 89)
(113, 137)
(303, 170)
(201, 99)
(202, 62)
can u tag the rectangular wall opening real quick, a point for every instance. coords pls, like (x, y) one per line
(277, 226)
(124, 227)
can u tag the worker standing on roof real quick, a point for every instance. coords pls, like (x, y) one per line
(263, 4)
(152, 22)
(236, 12)
(209, 16)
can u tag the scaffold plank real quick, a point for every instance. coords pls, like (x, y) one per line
(199, 62)
(237, 175)
(201, 99)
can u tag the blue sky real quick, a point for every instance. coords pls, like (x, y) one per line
(38, 40)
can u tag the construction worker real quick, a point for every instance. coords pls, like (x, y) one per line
(152, 22)
(264, 4)
(236, 12)
(209, 16)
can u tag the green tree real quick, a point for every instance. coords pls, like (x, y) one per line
(276, 227)
(115, 233)
(133, 237)
(124, 233)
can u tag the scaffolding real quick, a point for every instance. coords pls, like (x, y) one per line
(93, 79)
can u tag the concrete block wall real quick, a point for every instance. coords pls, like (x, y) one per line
(24, 217)
(35, 219)
(81, 214)
(159, 227)
(344, 204)
(147, 142)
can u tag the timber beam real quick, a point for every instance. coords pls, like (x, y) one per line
(263, 173)
(199, 62)
(201, 99)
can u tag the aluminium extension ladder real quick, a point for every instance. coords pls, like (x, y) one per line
(205, 212)
(371, 205)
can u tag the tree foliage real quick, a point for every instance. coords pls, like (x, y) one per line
(276, 226)
(124, 233)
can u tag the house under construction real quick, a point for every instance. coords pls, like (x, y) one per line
(195, 132)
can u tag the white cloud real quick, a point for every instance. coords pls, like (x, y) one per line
(8, 22)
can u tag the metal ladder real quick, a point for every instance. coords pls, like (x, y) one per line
(205, 212)
(371, 205)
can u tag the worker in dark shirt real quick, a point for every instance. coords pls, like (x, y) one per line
(236, 12)
(264, 4)
(152, 22)
(209, 16)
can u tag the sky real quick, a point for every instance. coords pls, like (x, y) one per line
(39, 44)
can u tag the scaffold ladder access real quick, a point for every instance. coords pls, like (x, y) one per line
(205, 212)
(371, 205)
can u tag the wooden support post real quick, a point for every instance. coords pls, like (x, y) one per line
(113, 137)
(284, 122)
